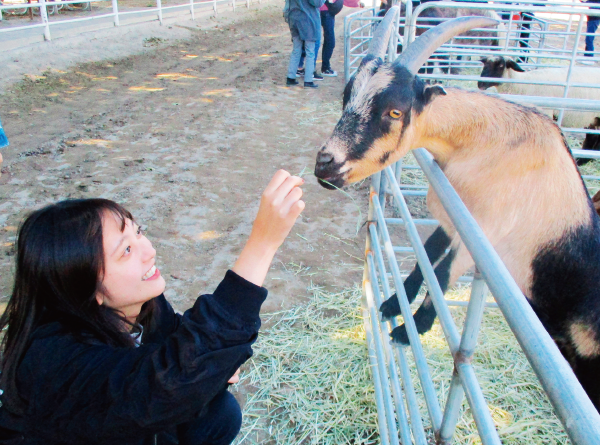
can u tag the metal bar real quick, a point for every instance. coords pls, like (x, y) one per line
(388, 408)
(384, 355)
(468, 342)
(431, 400)
(577, 413)
(409, 390)
(571, 65)
(383, 432)
(382, 411)
(159, 7)
(115, 8)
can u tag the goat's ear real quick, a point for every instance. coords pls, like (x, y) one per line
(483, 60)
(431, 92)
(510, 63)
(596, 123)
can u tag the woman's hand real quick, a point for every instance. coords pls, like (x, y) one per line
(280, 206)
(235, 378)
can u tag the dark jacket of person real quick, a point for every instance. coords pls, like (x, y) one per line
(81, 391)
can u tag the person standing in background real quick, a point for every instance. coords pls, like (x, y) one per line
(3, 143)
(592, 27)
(328, 14)
(303, 19)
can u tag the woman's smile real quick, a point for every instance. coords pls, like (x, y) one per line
(152, 274)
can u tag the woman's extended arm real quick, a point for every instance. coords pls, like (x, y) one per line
(280, 206)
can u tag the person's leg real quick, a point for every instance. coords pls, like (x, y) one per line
(302, 57)
(219, 426)
(309, 65)
(592, 27)
(295, 56)
(328, 24)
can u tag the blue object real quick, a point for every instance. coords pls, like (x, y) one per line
(3, 138)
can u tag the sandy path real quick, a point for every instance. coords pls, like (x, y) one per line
(186, 135)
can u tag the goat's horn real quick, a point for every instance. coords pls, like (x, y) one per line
(381, 37)
(419, 51)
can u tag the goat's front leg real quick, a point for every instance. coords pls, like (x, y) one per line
(447, 272)
(435, 246)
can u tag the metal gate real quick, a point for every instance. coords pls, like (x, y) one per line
(398, 412)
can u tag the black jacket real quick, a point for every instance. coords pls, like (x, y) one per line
(90, 393)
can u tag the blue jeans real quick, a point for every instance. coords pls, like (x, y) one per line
(328, 24)
(297, 53)
(592, 27)
(3, 138)
(317, 46)
(219, 426)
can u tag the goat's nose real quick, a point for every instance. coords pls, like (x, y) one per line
(324, 158)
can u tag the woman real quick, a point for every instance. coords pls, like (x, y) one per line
(94, 354)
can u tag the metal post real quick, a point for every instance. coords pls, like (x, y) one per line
(192, 9)
(159, 6)
(44, 16)
(115, 8)
(215, 7)
(465, 354)
(409, 390)
(571, 66)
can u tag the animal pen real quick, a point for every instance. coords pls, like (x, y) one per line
(552, 38)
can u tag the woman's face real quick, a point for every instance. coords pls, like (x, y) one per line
(130, 276)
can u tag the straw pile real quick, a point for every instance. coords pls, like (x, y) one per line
(313, 381)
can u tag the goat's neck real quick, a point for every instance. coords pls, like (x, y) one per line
(464, 123)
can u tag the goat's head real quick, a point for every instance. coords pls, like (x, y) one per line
(498, 67)
(380, 103)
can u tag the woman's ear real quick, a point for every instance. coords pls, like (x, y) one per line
(99, 299)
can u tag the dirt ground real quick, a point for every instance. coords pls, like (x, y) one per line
(186, 135)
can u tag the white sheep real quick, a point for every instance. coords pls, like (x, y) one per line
(507, 68)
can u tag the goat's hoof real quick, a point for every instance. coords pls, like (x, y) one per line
(390, 308)
(399, 335)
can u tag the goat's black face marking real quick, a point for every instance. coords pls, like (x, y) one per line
(492, 67)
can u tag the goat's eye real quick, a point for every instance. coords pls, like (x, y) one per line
(395, 114)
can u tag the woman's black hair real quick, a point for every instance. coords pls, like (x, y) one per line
(59, 270)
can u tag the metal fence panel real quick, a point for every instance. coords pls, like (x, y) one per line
(576, 412)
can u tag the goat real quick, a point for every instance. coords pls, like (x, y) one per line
(506, 68)
(513, 170)
(591, 141)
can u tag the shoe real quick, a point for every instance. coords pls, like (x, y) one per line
(290, 82)
(300, 72)
(587, 62)
(310, 85)
(328, 73)
(317, 76)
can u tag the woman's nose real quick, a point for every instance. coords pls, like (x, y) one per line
(148, 251)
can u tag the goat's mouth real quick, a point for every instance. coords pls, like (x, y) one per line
(332, 183)
(485, 85)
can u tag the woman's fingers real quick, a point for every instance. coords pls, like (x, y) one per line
(292, 198)
(285, 188)
(278, 178)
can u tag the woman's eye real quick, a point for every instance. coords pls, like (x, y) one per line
(395, 114)
(127, 251)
